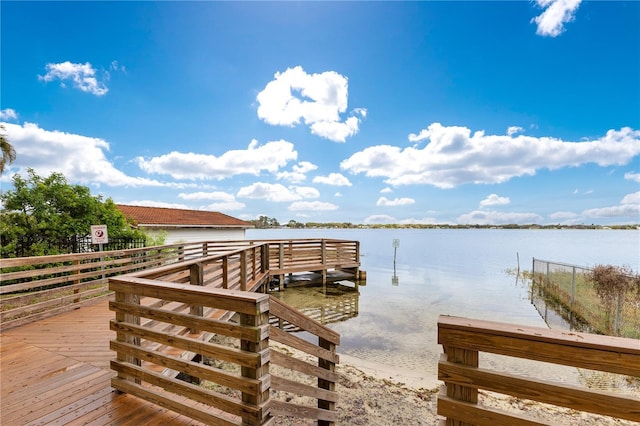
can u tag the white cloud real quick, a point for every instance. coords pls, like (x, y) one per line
(8, 114)
(255, 159)
(482, 217)
(276, 192)
(632, 176)
(336, 131)
(563, 216)
(380, 218)
(226, 206)
(557, 13)
(383, 201)
(512, 130)
(337, 194)
(299, 173)
(216, 195)
(386, 190)
(225, 201)
(335, 179)
(494, 200)
(316, 99)
(623, 210)
(83, 77)
(79, 158)
(115, 66)
(312, 206)
(423, 221)
(453, 157)
(306, 191)
(633, 198)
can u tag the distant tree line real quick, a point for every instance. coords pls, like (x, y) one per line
(266, 222)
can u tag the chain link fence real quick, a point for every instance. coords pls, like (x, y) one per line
(568, 288)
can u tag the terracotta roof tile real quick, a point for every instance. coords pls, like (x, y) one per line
(179, 217)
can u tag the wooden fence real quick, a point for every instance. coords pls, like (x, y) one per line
(32, 288)
(462, 340)
(174, 323)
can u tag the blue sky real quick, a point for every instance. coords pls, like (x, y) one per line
(363, 112)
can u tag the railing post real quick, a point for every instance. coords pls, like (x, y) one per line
(323, 256)
(254, 265)
(225, 272)
(196, 277)
(281, 264)
(259, 373)
(76, 271)
(205, 249)
(265, 257)
(125, 337)
(243, 270)
(326, 384)
(461, 393)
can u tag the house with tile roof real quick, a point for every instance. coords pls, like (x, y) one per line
(179, 225)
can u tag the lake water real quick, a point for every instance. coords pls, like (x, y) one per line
(392, 320)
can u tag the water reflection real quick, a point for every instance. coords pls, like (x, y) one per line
(452, 272)
(328, 304)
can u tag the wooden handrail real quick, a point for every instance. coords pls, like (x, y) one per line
(463, 338)
(170, 301)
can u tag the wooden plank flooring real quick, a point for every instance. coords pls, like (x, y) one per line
(56, 372)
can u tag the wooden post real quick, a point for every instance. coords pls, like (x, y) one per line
(76, 271)
(459, 392)
(326, 384)
(196, 277)
(254, 265)
(265, 257)
(281, 265)
(260, 319)
(205, 249)
(243, 270)
(121, 316)
(225, 272)
(323, 255)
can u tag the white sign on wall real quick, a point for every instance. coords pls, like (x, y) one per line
(99, 234)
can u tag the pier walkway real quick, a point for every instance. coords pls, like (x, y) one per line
(80, 328)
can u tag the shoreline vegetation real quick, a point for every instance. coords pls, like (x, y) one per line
(264, 222)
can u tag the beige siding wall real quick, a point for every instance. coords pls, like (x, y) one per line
(187, 235)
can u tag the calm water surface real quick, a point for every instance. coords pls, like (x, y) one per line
(392, 320)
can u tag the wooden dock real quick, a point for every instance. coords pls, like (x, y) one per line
(69, 344)
(56, 372)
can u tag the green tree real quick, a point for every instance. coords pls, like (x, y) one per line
(40, 214)
(265, 222)
(8, 152)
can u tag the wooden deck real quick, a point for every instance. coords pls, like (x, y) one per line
(56, 372)
(61, 362)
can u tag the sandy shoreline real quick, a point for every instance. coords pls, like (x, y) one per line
(379, 395)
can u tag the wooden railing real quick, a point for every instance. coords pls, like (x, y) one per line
(323, 370)
(32, 288)
(462, 340)
(192, 327)
(168, 324)
(286, 256)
